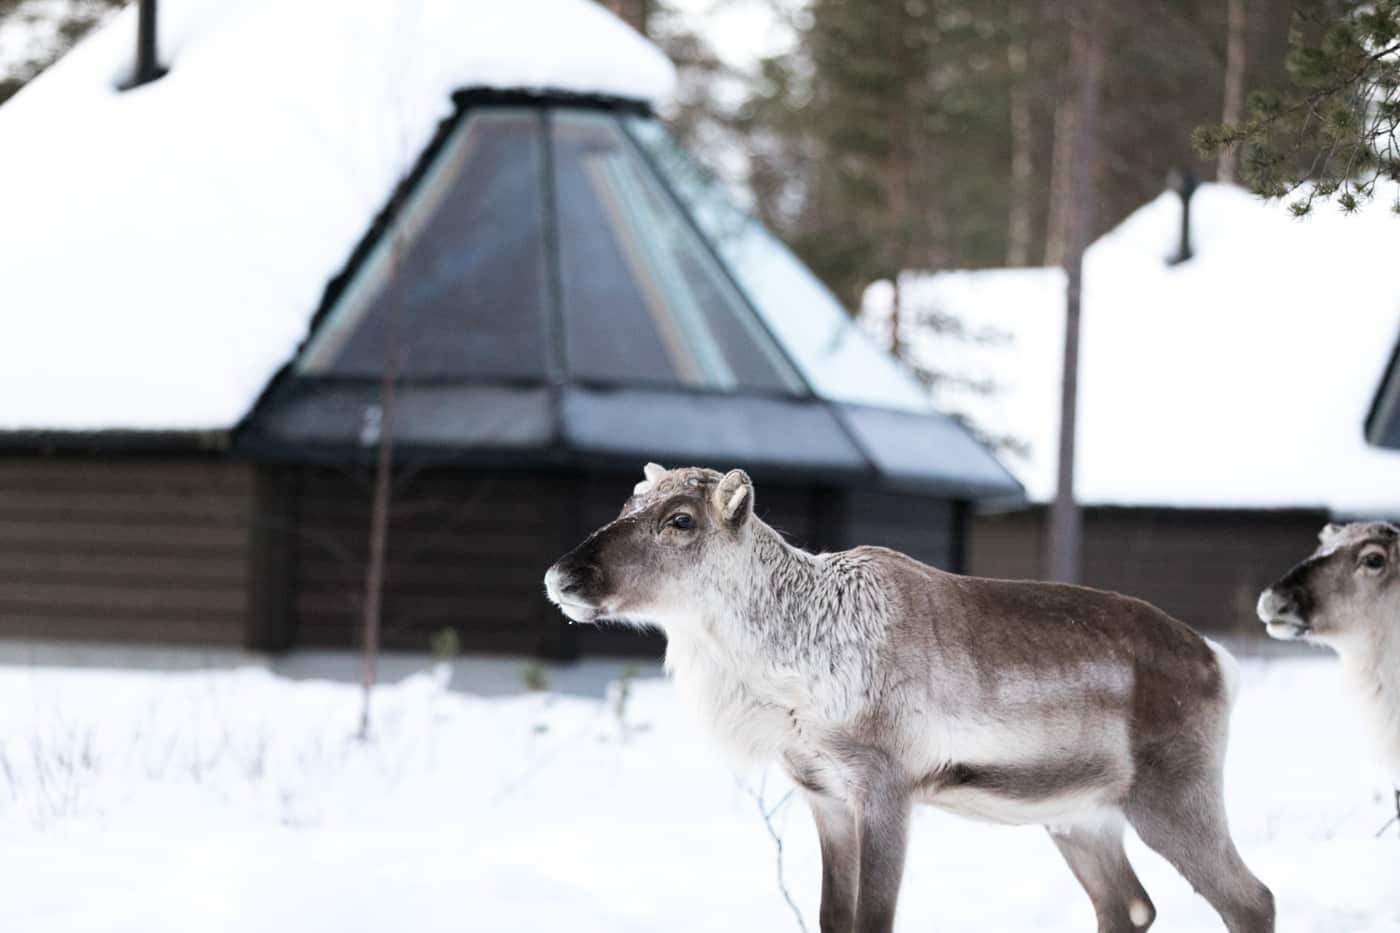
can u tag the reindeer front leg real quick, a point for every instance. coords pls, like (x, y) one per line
(882, 825)
(836, 829)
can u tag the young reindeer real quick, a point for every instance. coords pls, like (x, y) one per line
(878, 682)
(1347, 596)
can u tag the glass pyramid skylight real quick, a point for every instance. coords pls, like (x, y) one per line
(538, 245)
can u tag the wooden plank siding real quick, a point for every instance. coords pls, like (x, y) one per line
(467, 550)
(221, 553)
(124, 550)
(925, 529)
(1206, 567)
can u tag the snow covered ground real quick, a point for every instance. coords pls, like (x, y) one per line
(234, 799)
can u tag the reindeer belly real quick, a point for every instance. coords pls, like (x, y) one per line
(1041, 769)
(1019, 793)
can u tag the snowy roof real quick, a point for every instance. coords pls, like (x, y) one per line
(165, 248)
(1238, 379)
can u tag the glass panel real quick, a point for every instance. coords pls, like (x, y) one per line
(463, 267)
(642, 296)
(837, 359)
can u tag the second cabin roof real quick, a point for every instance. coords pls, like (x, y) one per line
(1240, 378)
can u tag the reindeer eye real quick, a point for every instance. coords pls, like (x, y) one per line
(681, 520)
(1373, 561)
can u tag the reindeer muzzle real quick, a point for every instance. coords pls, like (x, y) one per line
(1281, 615)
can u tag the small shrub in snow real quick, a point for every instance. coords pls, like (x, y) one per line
(535, 677)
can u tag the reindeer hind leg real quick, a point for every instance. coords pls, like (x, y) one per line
(1094, 851)
(1185, 823)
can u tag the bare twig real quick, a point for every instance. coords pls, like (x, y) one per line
(1394, 819)
(9, 774)
(767, 813)
(536, 767)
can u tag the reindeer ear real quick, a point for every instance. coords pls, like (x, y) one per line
(1329, 531)
(734, 498)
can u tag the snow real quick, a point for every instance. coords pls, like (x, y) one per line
(1238, 379)
(742, 33)
(164, 248)
(838, 359)
(234, 800)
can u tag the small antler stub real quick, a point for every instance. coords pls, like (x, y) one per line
(652, 472)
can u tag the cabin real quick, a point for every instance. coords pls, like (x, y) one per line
(1221, 398)
(449, 232)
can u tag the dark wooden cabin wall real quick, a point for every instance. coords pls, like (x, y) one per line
(1204, 567)
(924, 528)
(467, 550)
(124, 550)
(1006, 545)
(234, 554)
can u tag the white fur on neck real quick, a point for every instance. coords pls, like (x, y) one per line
(769, 657)
(1371, 668)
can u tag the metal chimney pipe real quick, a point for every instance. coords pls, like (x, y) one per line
(1184, 183)
(147, 68)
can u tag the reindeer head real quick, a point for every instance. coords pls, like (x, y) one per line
(1350, 584)
(678, 536)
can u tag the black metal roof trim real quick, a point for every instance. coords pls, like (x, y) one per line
(996, 484)
(333, 382)
(782, 436)
(467, 98)
(133, 443)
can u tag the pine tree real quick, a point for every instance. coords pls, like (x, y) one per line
(1331, 132)
(875, 139)
(53, 28)
(935, 134)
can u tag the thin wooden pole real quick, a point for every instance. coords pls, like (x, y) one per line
(1064, 543)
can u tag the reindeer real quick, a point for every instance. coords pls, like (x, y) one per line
(1347, 596)
(878, 682)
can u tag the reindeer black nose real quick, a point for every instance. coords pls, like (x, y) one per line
(577, 578)
(564, 579)
(1282, 601)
